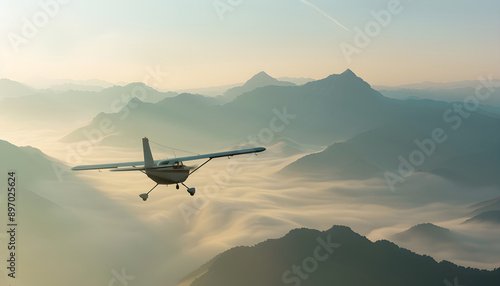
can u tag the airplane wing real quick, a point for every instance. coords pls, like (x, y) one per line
(139, 165)
(212, 155)
(108, 166)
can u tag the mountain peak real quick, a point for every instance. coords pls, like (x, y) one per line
(260, 78)
(348, 72)
(348, 76)
(345, 85)
(425, 232)
(428, 227)
(262, 74)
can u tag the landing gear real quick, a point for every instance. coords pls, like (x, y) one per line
(191, 191)
(145, 196)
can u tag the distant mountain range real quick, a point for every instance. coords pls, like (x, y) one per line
(61, 84)
(337, 256)
(428, 85)
(56, 107)
(323, 111)
(371, 134)
(374, 134)
(220, 90)
(458, 94)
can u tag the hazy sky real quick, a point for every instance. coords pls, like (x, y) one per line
(206, 42)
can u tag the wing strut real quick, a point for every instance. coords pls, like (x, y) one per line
(200, 166)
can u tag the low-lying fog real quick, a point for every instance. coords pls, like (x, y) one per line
(101, 226)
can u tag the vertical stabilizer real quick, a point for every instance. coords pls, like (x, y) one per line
(148, 157)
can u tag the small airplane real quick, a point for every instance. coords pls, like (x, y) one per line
(168, 171)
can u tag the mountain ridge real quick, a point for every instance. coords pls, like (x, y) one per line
(336, 256)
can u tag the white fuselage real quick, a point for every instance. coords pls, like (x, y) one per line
(169, 174)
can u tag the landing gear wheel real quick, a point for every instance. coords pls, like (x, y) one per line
(191, 191)
(144, 196)
(177, 186)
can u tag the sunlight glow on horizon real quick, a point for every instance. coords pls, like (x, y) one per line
(117, 41)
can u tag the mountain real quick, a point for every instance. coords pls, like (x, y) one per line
(261, 79)
(320, 112)
(316, 113)
(32, 161)
(372, 132)
(284, 147)
(9, 88)
(49, 107)
(137, 89)
(338, 161)
(467, 153)
(440, 242)
(337, 256)
(490, 205)
(488, 217)
(220, 90)
(426, 233)
(448, 95)
(180, 117)
(91, 229)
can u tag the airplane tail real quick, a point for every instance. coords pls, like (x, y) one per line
(148, 157)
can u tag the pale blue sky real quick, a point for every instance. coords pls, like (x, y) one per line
(116, 40)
